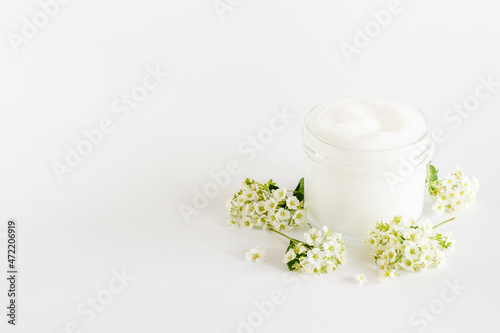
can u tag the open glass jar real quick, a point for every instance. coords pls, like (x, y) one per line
(365, 159)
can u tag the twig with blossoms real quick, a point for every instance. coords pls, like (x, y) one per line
(403, 244)
(453, 192)
(267, 206)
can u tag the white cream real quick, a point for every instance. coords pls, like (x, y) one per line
(366, 159)
(366, 123)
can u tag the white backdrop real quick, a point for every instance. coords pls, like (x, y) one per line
(114, 113)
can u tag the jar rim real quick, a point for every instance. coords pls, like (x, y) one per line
(422, 137)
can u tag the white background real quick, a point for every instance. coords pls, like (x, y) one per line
(119, 208)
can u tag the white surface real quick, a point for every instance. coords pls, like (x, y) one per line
(119, 209)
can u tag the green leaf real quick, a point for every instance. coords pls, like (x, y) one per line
(299, 195)
(432, 173)
(273, 187)
(299, 190)
(290, 246)
(291, 263)
(432, 178)
(300, 185)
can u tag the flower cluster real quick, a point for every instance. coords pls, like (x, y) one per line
(405, 245)
(453, 192)
(265, 206)
(318, 254)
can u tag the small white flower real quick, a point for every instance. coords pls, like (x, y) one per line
(233, 211)
(292, 202)
(327, 231)
(413, 234)
(270, 204)
(465, 183)
(407, 264)
(439, 207)
(330, 248)
(381, 263)
(370, 240)
(300, 249)
(308, 269)
(279, 194)
(315, 256)
(327, 266)
(360, 278)
(312, 237)
(240, 200)
(457, 203)
(440, 258)
(232, 223)
(449, 241)
(299, 217)
(249, 195)
(282, 214)
(427, 228)
(246, 223)
(389, 255)
(425, 245)
(385, 274)
(256, 254)
(262, 221)
(411, 250)
(289, 256)
(284, 226)
(249, 209)
(260, 207)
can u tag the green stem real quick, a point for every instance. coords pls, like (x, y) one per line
(292, 239)
(437, 225)
(322, 242)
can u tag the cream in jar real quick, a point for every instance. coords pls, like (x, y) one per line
(366, 159)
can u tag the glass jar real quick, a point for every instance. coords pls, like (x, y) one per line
(348, 189)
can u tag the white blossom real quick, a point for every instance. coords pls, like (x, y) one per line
(256, 254)
(289, 256)
(360, 278)
(292, 202)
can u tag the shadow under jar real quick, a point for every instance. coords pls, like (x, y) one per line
(366, 159)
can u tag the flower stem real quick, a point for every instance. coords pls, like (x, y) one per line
(292, 239)
(437, 225)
